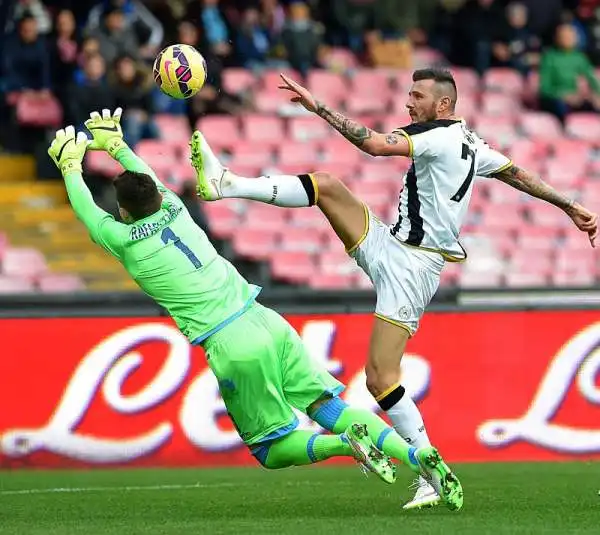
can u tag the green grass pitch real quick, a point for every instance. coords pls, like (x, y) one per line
(560, 498)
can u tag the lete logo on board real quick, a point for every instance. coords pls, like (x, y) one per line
(133, 391)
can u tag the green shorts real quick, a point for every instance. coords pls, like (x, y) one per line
(264, 372)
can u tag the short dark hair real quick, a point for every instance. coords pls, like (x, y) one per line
(137, 193)
(442, 77)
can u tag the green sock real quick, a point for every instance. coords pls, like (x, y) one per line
(382, 435)
(304, 447)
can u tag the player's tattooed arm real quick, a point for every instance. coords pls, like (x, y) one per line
(364, 138)
(584, 219)
(353, 131)
(531, 184)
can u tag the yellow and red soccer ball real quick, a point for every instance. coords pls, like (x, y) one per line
(180, 71)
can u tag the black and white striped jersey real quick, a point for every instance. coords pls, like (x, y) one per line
(437, 188)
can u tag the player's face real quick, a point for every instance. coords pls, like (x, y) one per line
(422, 101)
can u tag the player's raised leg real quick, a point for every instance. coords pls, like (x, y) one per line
(347, 214)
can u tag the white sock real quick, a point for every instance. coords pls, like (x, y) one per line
(408, 422)
(280, 190)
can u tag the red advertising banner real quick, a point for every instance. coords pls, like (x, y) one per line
(498, 386)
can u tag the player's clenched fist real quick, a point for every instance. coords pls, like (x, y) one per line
(106, 131)
(68, 149)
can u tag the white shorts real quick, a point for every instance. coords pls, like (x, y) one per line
(405, 278)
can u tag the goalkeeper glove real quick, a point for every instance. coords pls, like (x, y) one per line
(67, 150)
(106, 131)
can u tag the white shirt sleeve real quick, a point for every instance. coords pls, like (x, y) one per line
(490, 161)
(422, 144)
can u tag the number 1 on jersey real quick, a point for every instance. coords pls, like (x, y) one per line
(466, 153)
(168, 235)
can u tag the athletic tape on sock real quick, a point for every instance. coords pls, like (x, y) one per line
(390, 399)
(310, 448)
(382, 437)
(328, 413)
(309, 187)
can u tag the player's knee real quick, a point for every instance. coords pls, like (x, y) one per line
(261, 454)
(327, 183)
(380, 380)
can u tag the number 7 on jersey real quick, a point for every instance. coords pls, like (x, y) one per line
(466, 153)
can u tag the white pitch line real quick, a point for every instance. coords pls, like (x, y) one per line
(66, 490)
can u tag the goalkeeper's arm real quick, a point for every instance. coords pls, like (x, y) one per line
(103, 228)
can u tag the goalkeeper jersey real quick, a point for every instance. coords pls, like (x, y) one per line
(169, 257)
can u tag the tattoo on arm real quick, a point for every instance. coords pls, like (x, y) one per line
(354, 132)
(392, 139)
(529, 183)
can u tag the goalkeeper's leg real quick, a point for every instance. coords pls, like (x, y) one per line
(335, 415)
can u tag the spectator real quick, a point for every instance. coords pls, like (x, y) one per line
(138, 19)
(27, 65)
(38, 11)
(591, 19)
(517, 47)
(479, 24)
(562, 70)
(132, 86)
(350, 20)
(91, 92)
(252, 42)
(273, 17)
(114, 37)
(208, 15)
(302, 39)
(211, 98)
(65, 50)
(189, 197)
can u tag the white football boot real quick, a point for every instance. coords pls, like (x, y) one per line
(425, 495)
(209, 171)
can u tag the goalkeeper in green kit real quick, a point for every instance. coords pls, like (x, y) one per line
(260, 362)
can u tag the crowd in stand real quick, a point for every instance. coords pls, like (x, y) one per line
(96, 54)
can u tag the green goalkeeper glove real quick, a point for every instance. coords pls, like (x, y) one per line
(106, 131)
(67, 150)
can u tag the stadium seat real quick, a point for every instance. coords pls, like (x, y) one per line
(497, 131)
(507, 216)
(294, 238)
(583, 126)
(340, 59)
(540, 125)
(295, 267)
(270, 79)
(573, 278)
(331, 281)
(381, 170)
(572, 149)
(363, 104)
(545, 215)
(220, 129)
(526, 280)
(222, 217)
(100, 162)
(259, 128)
(398, 120)
(39, 112)
(60, 283)
(504, 80)
(368, 82)
(23, 262)
(478, 279)
(531, 260)
(309, 218)
(466, 79)
(173, 128)
(494, 104)
(15, 285)
(537, 238)
(337, 150)
(309, 129)
(264, 216)
(305, 154)
(273, 102)
(238, 80)
(251, 153)
(257, 244)
(327, 86)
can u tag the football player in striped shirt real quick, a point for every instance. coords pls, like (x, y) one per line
(403, 259)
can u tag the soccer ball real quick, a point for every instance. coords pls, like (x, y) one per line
(180, 71)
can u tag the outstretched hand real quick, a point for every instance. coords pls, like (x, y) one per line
(301, 95)
(68, 148)
(585, 221)
(106, 131)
